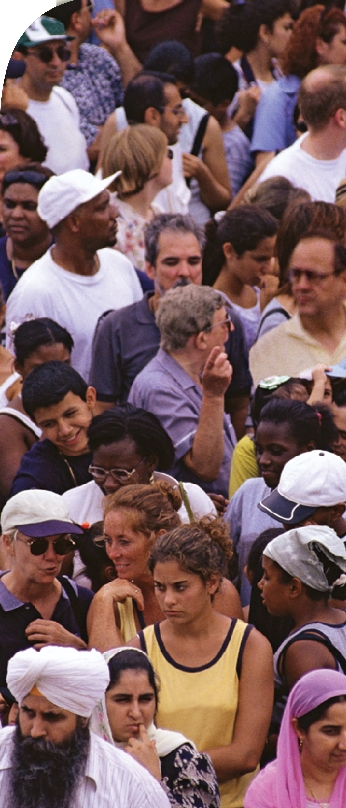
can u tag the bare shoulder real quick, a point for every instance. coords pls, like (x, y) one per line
(227, 600)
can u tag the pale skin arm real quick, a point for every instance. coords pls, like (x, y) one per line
(319, 379)
(48, 632)
(251, 181)
(103, 632)
(206, 454)
(211, 172)
(253, 714)
(110, 28)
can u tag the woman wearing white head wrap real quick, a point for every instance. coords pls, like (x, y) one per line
(124, 716)
(70, 679)
(301, 570)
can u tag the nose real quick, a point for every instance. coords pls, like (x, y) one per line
(113, 210)
(64, 428)
(50, 553)
(136, 710)
(56, 59)
(302, 283)
(17, 212)
(109, 485)
(38, 729)
(184, 269)
(260, 584)
(169, 598)
(264, 459)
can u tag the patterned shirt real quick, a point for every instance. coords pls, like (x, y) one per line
(95, 83)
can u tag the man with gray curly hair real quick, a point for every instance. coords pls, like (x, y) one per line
(185, 383)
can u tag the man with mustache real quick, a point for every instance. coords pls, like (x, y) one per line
(51, 759)
(127, 339)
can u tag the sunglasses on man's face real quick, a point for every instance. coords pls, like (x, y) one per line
(46, 54)
(61, 546)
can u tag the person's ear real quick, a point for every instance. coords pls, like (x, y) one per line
(295, 588)
(152, 463)
(91, 397)
(152, 116)
(74, 24)
(150, 270)
(297, 730)
(335, 511)
(264, 33)
(8, 543)
(249, 574)
(201, 340)
(228, 251)
(213, 584)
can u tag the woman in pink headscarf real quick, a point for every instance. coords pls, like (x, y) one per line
(310, 769)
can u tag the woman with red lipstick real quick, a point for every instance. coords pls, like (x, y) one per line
(134, 517)
(125, 718)
(212, 668)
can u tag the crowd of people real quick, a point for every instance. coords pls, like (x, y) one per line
(173, 406)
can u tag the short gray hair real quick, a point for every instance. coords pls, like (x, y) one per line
(174, 222)
(186, 311)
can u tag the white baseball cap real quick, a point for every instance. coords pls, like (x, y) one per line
(37, 513)
(309, 481)
(62, 194)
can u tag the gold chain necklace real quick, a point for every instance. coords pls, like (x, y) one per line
(321, 804)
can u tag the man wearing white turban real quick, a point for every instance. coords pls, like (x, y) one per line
(51, 759)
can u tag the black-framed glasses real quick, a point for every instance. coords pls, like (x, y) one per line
(46, 55)
(25, 175)
(121, 476)
(316, 278)
(39, 546)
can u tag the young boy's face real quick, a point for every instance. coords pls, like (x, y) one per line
(65, 424)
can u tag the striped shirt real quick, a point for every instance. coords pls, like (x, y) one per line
(112, 779)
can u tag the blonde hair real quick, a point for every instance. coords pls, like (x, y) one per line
(138, 152)
(147, 508)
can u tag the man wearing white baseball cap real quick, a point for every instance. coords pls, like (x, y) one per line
(312, 489)
(38, 608)
(79, 277)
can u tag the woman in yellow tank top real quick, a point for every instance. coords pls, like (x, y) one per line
(216, 672)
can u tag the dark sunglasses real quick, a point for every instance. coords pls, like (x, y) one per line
(25, 175)
(46, 55)
(40, 546)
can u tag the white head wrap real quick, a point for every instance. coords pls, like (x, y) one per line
(294, 552)
(165, 740)
(70, 679)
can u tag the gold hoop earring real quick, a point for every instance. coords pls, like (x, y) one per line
(300, 744)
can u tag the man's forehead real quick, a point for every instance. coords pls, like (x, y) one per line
(99, 199)
(40, 703)
(48, 43)
(177, 244)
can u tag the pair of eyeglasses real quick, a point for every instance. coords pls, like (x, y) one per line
(46, 55)
(25, 175)
(121, 476)
(295, 275)
(227, 323)
(40, 546)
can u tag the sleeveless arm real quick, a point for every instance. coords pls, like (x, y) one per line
(253, 714)
(303, 656)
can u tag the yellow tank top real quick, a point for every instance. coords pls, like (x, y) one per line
(202, 702)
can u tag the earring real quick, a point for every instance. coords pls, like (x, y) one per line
(300, 744)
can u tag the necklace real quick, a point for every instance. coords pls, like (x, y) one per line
(69, 468)
(321, 804)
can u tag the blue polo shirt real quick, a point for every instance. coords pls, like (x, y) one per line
(165, 389)
(274, 128)
(15, 617)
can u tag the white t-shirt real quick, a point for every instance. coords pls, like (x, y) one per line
(74, 301)
(58, 122)
(319, 177)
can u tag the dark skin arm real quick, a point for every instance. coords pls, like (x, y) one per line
(303, 656)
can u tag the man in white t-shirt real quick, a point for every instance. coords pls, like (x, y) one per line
(317, 161)
(78, 278)
(44, 46)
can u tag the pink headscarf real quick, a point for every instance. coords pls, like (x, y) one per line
(280, 784)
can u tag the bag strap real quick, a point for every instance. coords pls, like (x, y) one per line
(197, 143)
(277, 310)
(186, 501)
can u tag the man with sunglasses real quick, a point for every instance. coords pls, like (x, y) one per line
(45, 49)
(37, 607)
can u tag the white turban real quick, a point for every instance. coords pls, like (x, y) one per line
(70, 679)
